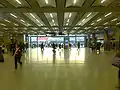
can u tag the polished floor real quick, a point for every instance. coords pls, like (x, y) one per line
(65, 70)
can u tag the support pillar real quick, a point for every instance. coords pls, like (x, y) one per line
(106, 41)
(89, 41)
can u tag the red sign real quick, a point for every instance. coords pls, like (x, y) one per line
(42, 38)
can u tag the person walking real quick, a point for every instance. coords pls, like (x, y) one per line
(17, 56)
(1, 55)
(78, 45)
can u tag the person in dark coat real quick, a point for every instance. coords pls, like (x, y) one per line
(13, 48)
(78, 45)
(1, 55)
(17, 56)
(59, 46)
(42, 46)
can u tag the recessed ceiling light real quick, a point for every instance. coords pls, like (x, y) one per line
(99, 20)
(102, 1)
(7, 21)
(92, 23)
(51, 15)
(114, 19)
(32, 15)
(83, 20)
(108, 14)
(13, 15)
(70, 15)
(22, 20)
(74, 2)
(46, 1)
(89, 14)
(106, 23)
(18, 1)
(2, 24)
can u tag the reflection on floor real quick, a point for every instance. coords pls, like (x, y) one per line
(61, 56)
(65, 70)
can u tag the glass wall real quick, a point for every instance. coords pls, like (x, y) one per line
(36, 41)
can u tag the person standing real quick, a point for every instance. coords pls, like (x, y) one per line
(17, 56)
(42, 46)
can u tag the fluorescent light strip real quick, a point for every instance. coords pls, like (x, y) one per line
(99, 20)
(18, 1)
(28, 24)
(74, 2)
(22, 20)
(66, 23)
(106, 27)
(95, 27)
(7, 20)
(83, 20)
(70, 15)
(46, 1)
(117, 23)
(68, 20)
(102, 1)
(79, 23)
(51, 15)
(53, 20)
(106, 23)
(32, 15)
(13, 15)
(108, 14)
(16, 24)
(2, 24)
(114, 19)
(89, 14)
(37, 20)
(92, 23)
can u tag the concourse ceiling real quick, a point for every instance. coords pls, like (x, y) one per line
(67, 16)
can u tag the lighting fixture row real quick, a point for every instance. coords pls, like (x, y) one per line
(35, 18)
(16, 17)
(87, 17)
(52, 18)
(69, 16)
